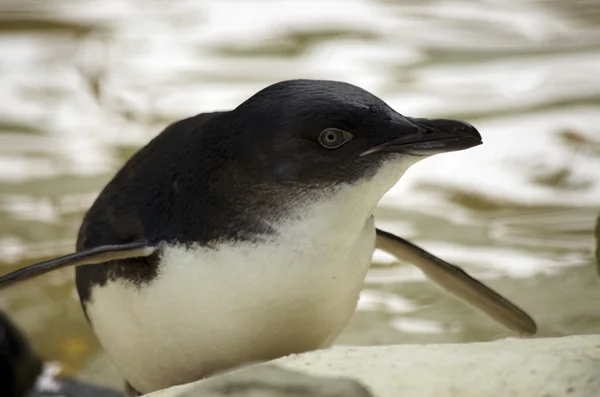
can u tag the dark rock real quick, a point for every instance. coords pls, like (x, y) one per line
(22, 375)
(270, 381)
(74, 388)
(597, 234)
(19, 365)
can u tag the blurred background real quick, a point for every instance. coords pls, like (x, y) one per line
(83, 84)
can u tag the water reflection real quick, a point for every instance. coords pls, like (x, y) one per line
(83, 85)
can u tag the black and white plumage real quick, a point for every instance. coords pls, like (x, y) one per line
(246, 235)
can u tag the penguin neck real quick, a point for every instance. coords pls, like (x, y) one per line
(338, 216)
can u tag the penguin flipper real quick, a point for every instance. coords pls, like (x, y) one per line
(90, 256)
(456, 281)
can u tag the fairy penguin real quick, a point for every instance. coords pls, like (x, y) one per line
(245, 235)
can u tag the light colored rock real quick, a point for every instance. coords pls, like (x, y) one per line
(552, 367)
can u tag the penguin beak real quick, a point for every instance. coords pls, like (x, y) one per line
(431, 136)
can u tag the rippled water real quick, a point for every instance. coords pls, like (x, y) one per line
(84, 84)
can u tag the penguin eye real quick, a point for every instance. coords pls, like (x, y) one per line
(332, 138)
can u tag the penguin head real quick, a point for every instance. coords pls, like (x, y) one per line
(315, 133)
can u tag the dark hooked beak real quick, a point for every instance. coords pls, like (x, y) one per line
(432, 136)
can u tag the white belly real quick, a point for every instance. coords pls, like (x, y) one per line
(209, 310)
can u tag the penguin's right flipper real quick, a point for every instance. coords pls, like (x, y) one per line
(90, 256)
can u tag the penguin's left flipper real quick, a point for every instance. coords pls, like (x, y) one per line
(456, 281)
(90, 256)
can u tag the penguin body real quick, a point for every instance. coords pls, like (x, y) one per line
(246, 235)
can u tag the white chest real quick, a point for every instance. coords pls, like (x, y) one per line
(212, 309)
(209, 310)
